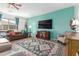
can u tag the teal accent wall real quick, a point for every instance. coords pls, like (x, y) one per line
(60, 23)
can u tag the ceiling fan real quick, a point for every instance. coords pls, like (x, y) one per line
(14, 5)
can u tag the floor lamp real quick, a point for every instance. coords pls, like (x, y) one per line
(30, 30)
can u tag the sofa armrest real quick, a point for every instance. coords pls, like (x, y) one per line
(5, 46)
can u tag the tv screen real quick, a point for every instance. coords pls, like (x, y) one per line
(45, 24)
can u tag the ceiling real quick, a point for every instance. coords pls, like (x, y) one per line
(33, 9)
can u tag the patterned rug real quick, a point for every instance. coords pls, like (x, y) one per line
(40, 47)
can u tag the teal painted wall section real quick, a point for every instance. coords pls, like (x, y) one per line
(61, 19)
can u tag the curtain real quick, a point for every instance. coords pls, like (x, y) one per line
(0, 16)
(17, 22)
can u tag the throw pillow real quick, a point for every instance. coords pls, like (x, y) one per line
(12, 33)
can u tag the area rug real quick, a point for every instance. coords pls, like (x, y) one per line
(37, 46)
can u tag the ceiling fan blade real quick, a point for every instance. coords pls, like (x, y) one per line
(15, 7)
(18, 5)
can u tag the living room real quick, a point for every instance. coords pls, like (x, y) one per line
(36, 29)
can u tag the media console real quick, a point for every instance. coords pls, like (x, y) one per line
(43, 35)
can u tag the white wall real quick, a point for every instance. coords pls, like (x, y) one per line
(22, 22)
(77, 11)
(77, 15)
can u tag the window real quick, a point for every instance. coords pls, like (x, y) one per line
(7, 24)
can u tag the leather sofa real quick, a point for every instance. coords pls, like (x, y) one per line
(16, 36)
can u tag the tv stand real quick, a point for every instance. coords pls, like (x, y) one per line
(43, 35)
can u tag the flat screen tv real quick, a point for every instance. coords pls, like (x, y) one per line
(45, 24)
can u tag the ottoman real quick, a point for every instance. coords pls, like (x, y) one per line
(4, 44)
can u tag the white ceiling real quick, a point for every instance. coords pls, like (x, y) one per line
(33, 9)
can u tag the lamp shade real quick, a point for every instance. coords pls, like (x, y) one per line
(75, 22)
(30, 26)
